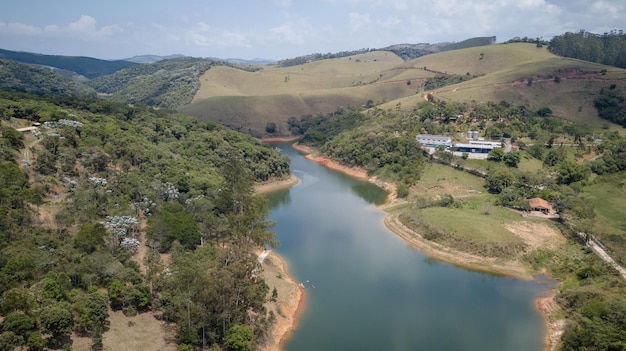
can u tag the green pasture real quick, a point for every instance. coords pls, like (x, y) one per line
(478, 221)
(608, 197)
(445, 179)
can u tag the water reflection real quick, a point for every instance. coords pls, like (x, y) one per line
(373, 195)
(278, 198)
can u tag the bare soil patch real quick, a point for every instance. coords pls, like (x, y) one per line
(536, 235)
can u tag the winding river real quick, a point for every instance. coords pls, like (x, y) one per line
(366, 289)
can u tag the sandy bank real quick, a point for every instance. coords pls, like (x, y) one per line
(290, 301)
(279, 139)
(276, 185)
(289, 304)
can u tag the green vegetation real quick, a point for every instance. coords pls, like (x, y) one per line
(472, 230)
(611, 105)
(607, 48)
(472, 213)
(15, 76)
(102, 179)
(167, 83)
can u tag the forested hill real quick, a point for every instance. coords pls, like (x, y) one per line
(16, 76)
(608, 48)
(87, 66)
(166, 83)
(90, 200)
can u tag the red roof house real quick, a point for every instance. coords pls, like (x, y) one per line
(540, 205)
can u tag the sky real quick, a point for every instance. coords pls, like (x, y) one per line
(279, 29)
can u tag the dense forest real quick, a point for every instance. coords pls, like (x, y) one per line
(611, 105)
(607, 48)
(167, 83)
(21, 77)
(79, 196)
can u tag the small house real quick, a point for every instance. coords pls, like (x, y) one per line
(540, 205)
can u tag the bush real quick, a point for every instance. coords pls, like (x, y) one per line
(402, 191)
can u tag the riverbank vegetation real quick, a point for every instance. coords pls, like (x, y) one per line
(110, 207)
(467, 205)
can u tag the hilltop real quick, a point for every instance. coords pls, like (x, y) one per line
(518, 73)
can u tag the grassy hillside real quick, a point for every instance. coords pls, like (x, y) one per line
(87, 66)
(519, 73)
(249, 100)
(522, 74)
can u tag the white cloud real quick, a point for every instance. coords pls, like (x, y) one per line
(296, 32)
(84, 28)
(390, 22)
(359, 21)
(19, 29)
(204, 35)
(607, 8)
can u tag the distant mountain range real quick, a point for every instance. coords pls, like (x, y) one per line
(86, 66)
(151, 58)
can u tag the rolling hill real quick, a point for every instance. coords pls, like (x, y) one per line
(247, 100)
(523, 74)
(22, 77)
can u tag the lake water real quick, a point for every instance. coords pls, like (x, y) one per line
(366, 289)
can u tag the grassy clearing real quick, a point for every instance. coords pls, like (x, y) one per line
(608, 198)
(475, 221)
(440, 179)
(141, 332)
(476, 228)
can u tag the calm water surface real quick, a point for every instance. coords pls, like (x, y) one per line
(368, 290)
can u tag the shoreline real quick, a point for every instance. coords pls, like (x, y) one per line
(271, 186)
(291, 308)
(545, 305)
(278, 139)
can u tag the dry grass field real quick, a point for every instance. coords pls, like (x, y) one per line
(247, 101)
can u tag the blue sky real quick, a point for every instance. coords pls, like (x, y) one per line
(277, 29)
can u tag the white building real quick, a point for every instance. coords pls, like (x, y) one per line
(434, 140)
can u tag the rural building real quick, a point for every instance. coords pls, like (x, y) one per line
(488, 143)
(477, 147)
(434, 140)
(540, 205)
(472, 134)
(26, 129)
